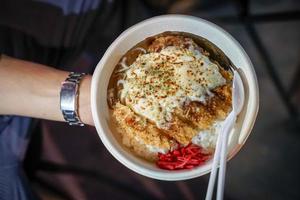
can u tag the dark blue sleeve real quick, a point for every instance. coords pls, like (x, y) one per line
(14, 137)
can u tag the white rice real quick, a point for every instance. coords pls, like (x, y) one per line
(208, 138)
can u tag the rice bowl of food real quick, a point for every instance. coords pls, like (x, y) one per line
(161, 92)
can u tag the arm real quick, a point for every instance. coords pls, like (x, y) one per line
(30, 89)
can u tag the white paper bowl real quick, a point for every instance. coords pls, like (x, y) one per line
(151, 27)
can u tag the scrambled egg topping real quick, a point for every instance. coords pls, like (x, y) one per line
(159, 82)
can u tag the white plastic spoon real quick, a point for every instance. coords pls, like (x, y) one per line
(238, 97)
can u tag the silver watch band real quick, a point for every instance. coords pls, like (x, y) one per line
(69, 98)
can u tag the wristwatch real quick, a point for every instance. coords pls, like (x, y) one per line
(69, 98)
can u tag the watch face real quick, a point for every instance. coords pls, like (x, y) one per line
(68, 96)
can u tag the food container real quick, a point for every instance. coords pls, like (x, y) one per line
(139, 32)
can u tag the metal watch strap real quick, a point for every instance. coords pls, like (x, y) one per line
(75, 77)
(69, 98)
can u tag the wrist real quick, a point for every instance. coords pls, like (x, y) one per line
(84, 100)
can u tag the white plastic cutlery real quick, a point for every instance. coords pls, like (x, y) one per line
(220, 156)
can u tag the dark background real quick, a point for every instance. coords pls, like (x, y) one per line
(66, 162)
